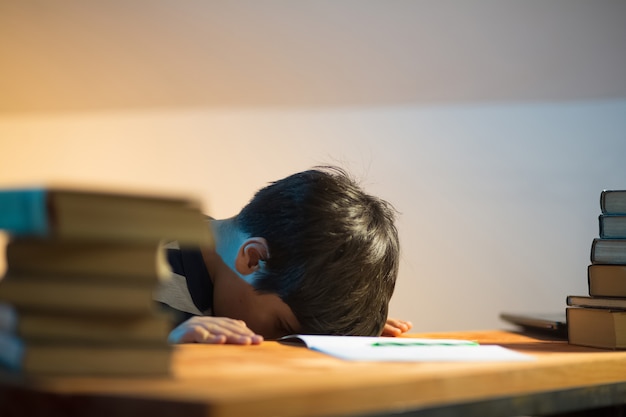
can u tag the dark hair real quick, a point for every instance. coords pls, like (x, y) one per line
(334, 250)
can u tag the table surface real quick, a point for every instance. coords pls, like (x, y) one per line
(278, 380)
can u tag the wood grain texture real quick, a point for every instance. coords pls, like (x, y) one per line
(277, 380)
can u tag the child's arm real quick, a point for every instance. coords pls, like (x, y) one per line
(214, 330)
(395, 327)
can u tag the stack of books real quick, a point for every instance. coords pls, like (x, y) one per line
(82, 267)
(599, 319)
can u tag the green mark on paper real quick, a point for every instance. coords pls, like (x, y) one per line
(429, 343)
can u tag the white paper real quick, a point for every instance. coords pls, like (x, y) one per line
(405, 349)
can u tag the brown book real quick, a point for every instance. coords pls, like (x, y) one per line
(607, 280)
(104, 329)
(73, 359)
(599, 328)
(49, 294)
(87, 260)
(608, 251)
(596, 302)
(71, 213)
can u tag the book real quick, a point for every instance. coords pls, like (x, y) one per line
(606, 280)
(86, 260)
(612, 226)
(76, 359)
(76, 297)
(608, 251)
(68, 213)
(597, 327)
(613, 201)
(551, 324)
(8, 318)
(403, 349)
(84, 329)
(596, 302)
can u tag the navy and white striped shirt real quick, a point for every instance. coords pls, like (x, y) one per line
(189, 289)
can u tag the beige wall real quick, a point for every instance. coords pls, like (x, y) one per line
(491, 126)
(498, 203)
(81, 55)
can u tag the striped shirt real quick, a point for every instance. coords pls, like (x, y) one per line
(189, 289)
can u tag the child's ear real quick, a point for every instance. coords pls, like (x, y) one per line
(251, 252)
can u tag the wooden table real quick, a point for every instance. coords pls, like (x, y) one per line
(277, 380)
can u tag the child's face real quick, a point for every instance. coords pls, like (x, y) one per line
(264, 314)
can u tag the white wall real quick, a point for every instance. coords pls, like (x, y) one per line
(492, 126)
(498, 203)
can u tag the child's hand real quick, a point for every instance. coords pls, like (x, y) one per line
(395, 327)
(214, 330)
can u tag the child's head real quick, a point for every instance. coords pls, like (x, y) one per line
(334, 250)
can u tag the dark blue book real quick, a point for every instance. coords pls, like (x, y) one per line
(613, 202)
(608, 251)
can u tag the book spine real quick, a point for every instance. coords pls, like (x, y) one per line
(601, 226)
(613, 202)
(612, 226)
(97, 360)
(617, 303)
(24, 212)
(592, 254)
(86, 260)
(608, 251)
(594, 327)
(603, 201)
(77, 298)
(606, 280)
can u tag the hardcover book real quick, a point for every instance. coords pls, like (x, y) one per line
(597, 327)
(606, 280)
(76, 359)
(612, 226)
(148, 330)
(79, 297)
(613, 201)
(87, 260)
(608, 251)
(106, 216)
(616, 303)
(82, 269)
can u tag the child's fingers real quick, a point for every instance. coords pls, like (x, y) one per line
(214, 330)
(395, 327)
(391, 331)
(244, 339)
(187, 334)
(400, 324)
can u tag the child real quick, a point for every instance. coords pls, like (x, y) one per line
(311, 253)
